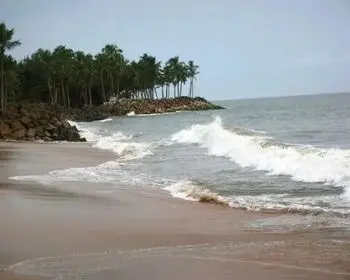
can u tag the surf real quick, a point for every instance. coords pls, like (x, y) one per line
(258, 152)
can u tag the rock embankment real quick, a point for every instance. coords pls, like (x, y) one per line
(37, 122)
(49, 122)
(142, 106)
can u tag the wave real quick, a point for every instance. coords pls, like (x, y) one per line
(106, 120)
(189, 191)
(117, 142)
(278, 203)
(301, 163)
(133, 114)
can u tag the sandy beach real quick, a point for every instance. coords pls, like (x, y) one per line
(73, 231)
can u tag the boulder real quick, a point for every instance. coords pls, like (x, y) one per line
(31, 132)
(16, 125)
(4, 129)
(37, 122)
(18, 134)
(50, 127)
(25, 120)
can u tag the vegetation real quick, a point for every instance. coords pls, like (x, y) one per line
(75, 79)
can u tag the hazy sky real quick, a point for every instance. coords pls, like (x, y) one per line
(246, 48)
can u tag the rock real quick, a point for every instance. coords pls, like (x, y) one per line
(48, 122)
(50, 127)
(19, 134)
(4, 129)
(31, 133)
(25, 120)
(16, 125)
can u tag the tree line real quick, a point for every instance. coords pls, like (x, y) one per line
(75, 78)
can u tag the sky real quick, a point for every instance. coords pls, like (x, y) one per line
(245, 48)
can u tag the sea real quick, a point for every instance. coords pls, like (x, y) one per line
(283, 155)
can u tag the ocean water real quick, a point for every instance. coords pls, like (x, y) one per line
(290, 154)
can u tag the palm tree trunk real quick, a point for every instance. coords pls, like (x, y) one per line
(2, 84)
(56, 95)
(118, 87)
(5, 95)
(50, 90)
(90, 94)
(192, 89)
(86, 101)
(68, 96)
(63, 95)
(111, 88)
(103, 89)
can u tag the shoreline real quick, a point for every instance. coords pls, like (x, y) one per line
(211, 241)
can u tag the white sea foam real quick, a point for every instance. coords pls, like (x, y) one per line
(106, 120)
(307, 164)
(132, 114)
(118, 142)
(188, 190)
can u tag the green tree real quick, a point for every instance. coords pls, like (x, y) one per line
(43, 64)
(74, 78)
(193, 71)
(6, 44)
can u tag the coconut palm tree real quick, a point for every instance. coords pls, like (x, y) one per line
(74, 78)
(63, 58)
(6, 44)
(11, 80)
(44, 65)
(114, 62)
(192, 70)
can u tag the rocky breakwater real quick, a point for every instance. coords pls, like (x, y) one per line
(140, 106)
(159, 106)
(37, 122)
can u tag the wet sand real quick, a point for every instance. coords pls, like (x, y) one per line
(70, 231)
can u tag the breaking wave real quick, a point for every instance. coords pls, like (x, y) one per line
(106, 120)
(118, 142)
(279, 203)
(301, 163)
(189, 191)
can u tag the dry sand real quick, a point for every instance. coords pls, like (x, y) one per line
(69, 231)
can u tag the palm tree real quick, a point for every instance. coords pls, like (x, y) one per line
(11, 80)
(114, 62)
(67, 77)
(6, 44)
(102, 70)
(44, 64)
(63, 58)
(192, 73)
